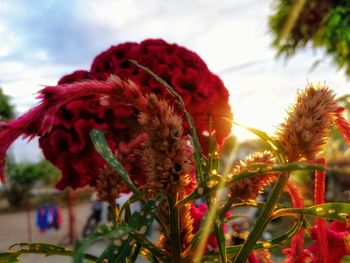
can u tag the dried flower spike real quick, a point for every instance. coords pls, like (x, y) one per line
(109, 185)
(249, 188)
(167, 161)
(308, 123)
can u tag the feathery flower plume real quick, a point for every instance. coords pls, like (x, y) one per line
(28, 125)
(39, 120)
(109, 185)
(129, 154)
(308, 123)
(249, 188)
(166, 160)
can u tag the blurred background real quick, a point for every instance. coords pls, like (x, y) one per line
(264, 51)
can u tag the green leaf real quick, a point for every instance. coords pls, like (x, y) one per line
(102, 147)
(103, 232)
(135, 253)
(220, 238)
(107, 254)
(155, 251)
(38, 248)
(330, 211)
(334, 20)
(140, 222)
(9, 257)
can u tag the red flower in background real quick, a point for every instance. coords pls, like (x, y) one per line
(338, 234)
(68, 144)
(64, 129)
(198, 213)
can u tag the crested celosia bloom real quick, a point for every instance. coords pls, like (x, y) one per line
(203, 93)
(338, 234)
(249, 188)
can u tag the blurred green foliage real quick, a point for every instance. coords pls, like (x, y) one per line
(22, 177)
(322, 23)
(6, 109)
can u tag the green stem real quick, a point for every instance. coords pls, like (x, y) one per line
(228, 219)
(226, 208)
(263, 219)
(114, 212)
(288, 212)
(175, 231)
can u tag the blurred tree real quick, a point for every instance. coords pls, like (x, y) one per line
(23, 177)
(6, 109)
(322, 23)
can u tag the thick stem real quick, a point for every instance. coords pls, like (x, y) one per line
(175, 231)
(263, 219)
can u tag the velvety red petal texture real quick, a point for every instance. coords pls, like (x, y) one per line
(68, 145)
(203, 92)
(338, 234)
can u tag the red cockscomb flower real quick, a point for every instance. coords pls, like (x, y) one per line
(338, 234)
(203, 93)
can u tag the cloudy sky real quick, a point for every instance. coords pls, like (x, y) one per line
(41, 40)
